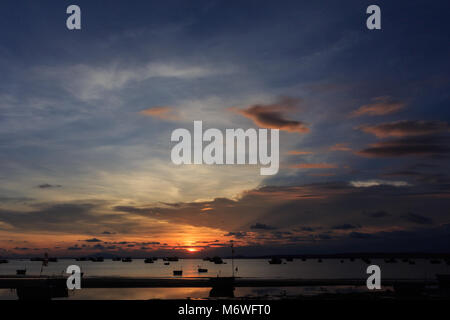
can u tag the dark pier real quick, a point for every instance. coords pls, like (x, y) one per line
(33, 287)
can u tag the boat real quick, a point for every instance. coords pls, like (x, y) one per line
(3, 261)
(172, 259)
(217, 260)
(148, 260)
(21, 272)
(166, 263)
(127, 259)
(202, 270)
(96, 259)
(275, 261)
(177, 272)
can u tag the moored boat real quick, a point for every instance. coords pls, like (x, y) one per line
(202, 270)
(275, 260)
(217, 260)
(172, 259)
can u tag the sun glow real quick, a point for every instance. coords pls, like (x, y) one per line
(192, 250)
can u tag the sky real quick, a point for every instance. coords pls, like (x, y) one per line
(86, 118)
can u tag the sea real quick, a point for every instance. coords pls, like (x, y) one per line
(244, 268)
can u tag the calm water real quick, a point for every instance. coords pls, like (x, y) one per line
(255, 268)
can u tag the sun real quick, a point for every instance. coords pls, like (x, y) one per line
(192, 250)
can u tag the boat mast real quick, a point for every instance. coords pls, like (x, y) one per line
(232, 258)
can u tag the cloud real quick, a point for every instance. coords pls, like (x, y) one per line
(376, 183)
(73, 218)
(322, 174)
(74, 248)
(407, 146)
(324, 236)
(289, 208)
(416, 218)
(164, 113)
(378, 214)
(261, 226)
(360, 235)
(340, 147)
(88, 82)
(93, 240)
(314, 166)
(48, 186)
(345, 226)
(379, 107)
(298, 152)
(272, 115)
(405, 128)
(237, 235)
(15, 199)
(432, 178)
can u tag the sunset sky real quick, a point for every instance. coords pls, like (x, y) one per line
(86, 118)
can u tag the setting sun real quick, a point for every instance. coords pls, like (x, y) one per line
(192, 250)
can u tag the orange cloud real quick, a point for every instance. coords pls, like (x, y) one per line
(381, 106)
(298, 152)
(272, 115)
(409, 146)
(405, 128)
(314, 166)
(165, 113)
(340, 147)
